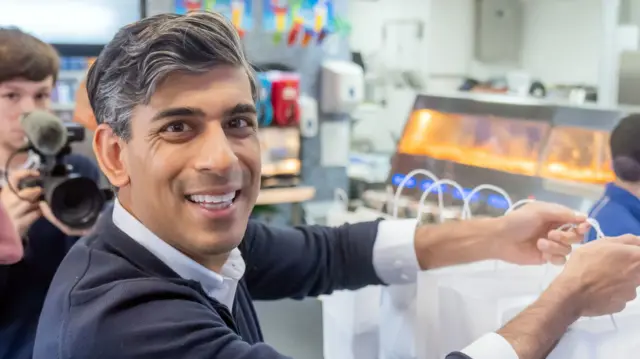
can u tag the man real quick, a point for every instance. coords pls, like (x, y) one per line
(36, 242)
(618, 211)
(172, 272)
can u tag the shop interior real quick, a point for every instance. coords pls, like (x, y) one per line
(357, 94)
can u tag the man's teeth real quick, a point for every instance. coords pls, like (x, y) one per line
(212, 201)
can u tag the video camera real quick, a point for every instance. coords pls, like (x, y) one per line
(74, 200)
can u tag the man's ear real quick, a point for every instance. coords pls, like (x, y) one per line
(109, 149)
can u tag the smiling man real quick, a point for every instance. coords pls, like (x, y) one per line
(172, 271)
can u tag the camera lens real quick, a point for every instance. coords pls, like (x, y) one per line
(76, 201)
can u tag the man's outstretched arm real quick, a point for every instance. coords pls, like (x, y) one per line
(586, 287)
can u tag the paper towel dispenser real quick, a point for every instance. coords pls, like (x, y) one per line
(342, 87)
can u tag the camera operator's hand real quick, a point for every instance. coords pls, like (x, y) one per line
(604, 274)
(11, 249)
(46, 212)
(22, 206)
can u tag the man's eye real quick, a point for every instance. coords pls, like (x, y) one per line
(177, 127)
(42, 96)
(239, 123)
(12, 96)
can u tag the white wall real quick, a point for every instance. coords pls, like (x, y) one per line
(561, 44)
(562, 40)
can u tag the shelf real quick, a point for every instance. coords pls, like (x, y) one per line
(63, 106)
(285, 195)
(585, 190)
(72, 75)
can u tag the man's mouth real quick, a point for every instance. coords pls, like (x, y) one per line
(214, 202)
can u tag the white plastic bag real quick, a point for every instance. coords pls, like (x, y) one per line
(351, 318)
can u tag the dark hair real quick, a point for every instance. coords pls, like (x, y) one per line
(143, 54)
(625, 148)
(24, 56)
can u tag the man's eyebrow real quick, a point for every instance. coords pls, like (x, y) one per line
(178, 112)
(241, 108)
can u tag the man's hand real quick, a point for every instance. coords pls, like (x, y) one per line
(599, 278)
(46, 212)
(11, 249)
(604, 273)
(22, 207)
(530, 235)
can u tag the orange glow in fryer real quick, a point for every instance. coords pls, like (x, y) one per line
(509, 145)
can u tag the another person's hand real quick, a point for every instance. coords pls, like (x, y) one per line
(22, 206)
(603, 274)
(46, 212)
(11, 249)
(530, 235)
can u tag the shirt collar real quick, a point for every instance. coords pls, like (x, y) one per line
(213, 283)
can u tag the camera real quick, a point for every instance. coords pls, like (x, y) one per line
(76, 201)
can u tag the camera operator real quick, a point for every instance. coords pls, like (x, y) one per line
(28, 71)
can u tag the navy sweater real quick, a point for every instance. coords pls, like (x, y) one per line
(111, 298)
(23, 286)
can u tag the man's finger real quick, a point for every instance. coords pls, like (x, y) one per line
(553, 248)
(558, 260)
(582, 228)
(557, 213)
(23, 207)
(566, 237)
(17, 175)
(30, 194)
(31, 217)
(626, 239)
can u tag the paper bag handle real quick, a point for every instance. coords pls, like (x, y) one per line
(438, 184)
(403, 183)
(466, 209)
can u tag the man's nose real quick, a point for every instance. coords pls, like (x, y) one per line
(216, 153)
(27, 104)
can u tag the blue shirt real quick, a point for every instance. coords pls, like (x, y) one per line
(617, 212)
(24, 285)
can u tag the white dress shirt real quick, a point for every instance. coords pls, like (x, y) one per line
(394, 259)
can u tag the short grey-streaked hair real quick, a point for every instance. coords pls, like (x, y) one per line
(141, 55)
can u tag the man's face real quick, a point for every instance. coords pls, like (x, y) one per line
(191, 170)
(17, 97)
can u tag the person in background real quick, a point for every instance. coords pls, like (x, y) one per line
(28, 71)
(618, 210)
(172, 270)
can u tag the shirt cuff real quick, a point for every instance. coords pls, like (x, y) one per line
(490, 346)
(394, 253)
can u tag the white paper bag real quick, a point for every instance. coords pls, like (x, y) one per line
(351, 318)
(598, 337)
(457, 306)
